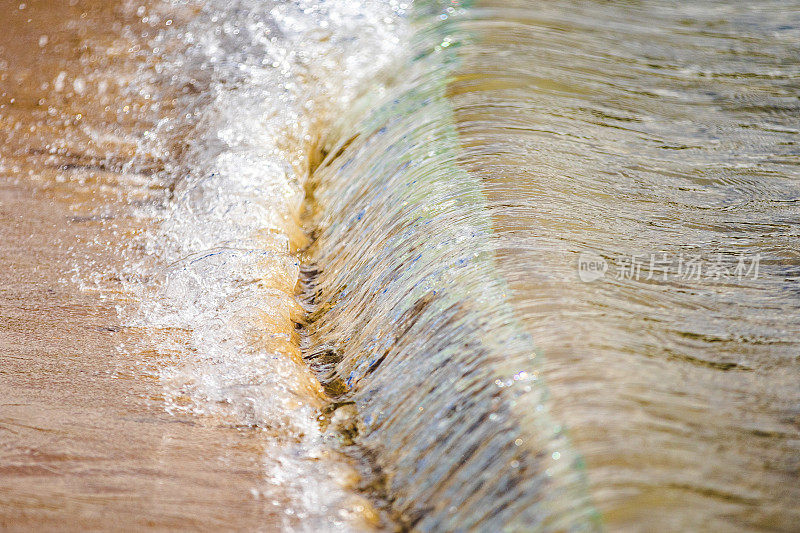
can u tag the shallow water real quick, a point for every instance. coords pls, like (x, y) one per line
(654, 133)
(343, 263)
(668, 132)
(659, 139)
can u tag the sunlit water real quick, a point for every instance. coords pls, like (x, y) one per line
(250, 84)
(444, 266)
(85, 440)
(657, 138)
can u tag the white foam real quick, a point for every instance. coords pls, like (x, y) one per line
(244, 87)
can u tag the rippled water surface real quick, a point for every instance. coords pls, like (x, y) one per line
(653, 132)
(355, 264)
(657, 137)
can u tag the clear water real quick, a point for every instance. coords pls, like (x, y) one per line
(656, 134)
(441, 266)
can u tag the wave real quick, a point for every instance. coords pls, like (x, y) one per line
(409, 318)
(243, 90)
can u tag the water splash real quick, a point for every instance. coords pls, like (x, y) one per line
(244, 89)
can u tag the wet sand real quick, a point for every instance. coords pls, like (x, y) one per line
(85, 441)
